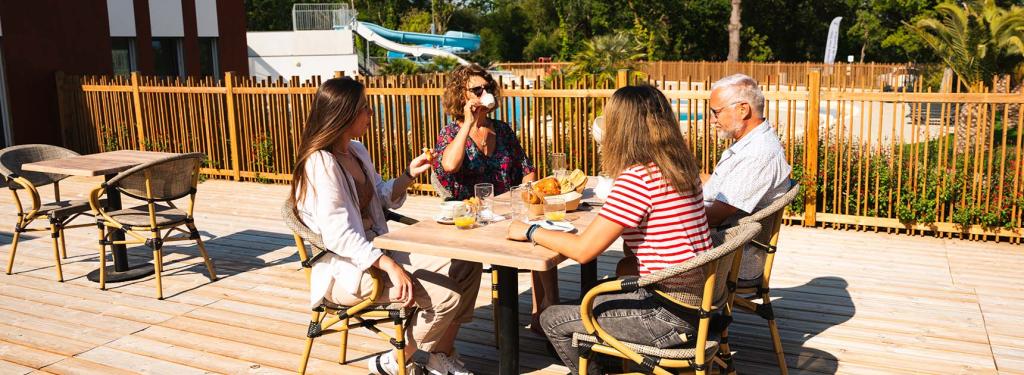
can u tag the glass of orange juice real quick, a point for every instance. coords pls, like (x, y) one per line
(465, 218)
(554, 208)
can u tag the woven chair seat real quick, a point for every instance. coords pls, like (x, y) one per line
(749, 283)
(66, 208)
(139, 216)
(669, 353)
(403, 312)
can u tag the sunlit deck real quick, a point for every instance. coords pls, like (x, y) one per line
(847, 302)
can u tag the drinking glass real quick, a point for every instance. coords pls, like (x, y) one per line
(465, 218)
(554, 208)
(558, 165)
(518, 198)
(484, 192)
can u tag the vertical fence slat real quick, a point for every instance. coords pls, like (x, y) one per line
(811, 148)
(233, 140)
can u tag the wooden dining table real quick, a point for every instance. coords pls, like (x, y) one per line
(107, 164)
(488, 244)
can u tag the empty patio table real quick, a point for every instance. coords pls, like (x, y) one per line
(107, 164)
(488, 244)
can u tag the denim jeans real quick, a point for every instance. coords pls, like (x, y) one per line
(637, 317)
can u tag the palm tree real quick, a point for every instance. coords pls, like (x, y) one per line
(604, 55)
(978, 40)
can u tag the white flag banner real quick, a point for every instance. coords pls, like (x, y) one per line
(833, 41)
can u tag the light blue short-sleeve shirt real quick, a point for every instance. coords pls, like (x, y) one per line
(751, 173)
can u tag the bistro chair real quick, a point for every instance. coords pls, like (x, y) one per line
(438, 188)
(706, 294)
(159, 183)
(761, 252)
(367, 313)
(59, 212)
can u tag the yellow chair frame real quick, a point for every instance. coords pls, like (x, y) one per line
(368, 313)
(708, 262)
(150, 235)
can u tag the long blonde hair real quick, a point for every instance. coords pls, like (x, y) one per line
(336, 106)
(639, 129)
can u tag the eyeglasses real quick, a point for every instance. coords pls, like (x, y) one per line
(716, 112)
(479, 90)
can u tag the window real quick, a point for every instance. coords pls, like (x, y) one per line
(123, 51)
(167, 56)
(208, 62)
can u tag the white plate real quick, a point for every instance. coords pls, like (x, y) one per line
(561, 226)
(443, 220)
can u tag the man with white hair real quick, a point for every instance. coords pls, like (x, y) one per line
(753, 171)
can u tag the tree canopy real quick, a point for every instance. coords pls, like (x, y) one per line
(772, 30)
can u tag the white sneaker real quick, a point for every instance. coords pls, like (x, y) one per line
(383, 364)
(458, 366)
(441, 364)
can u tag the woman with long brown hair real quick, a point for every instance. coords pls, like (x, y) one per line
(339, 195)
(655, 205)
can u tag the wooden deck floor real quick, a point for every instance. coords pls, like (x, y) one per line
(847, 302)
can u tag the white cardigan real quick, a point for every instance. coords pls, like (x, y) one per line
(331, 209)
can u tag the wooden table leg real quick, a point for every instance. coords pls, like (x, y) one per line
(508, 312)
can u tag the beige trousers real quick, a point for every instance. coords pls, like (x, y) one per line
(445, 291)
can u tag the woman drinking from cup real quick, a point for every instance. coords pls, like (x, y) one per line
(655, 205)
(340, 196)
(475, 149)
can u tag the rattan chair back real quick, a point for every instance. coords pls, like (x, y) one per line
(770, 219)
(12, 158)
(169, 178)
(438, 188)
(685, 282)
(302, 232)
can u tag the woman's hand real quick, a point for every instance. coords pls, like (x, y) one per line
(517, 230)
(402, 291)
(474, 112)
(419, 165)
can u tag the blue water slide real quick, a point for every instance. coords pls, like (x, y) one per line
(454, 41)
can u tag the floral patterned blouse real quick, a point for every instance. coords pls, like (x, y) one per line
(505, 167)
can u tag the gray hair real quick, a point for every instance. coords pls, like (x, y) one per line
(744, 88)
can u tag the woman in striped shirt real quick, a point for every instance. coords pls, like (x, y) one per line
(655, 205)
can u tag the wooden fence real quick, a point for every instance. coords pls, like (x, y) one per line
(866, 75)
(914, 161)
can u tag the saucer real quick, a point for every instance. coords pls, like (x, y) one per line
(444, 220)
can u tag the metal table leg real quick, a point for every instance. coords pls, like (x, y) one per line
(508, 313)
(588, 277)
(121, 270)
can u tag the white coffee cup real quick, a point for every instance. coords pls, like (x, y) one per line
(487, 100)
(448, 209)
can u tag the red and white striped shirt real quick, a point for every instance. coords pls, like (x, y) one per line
(663, 227)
